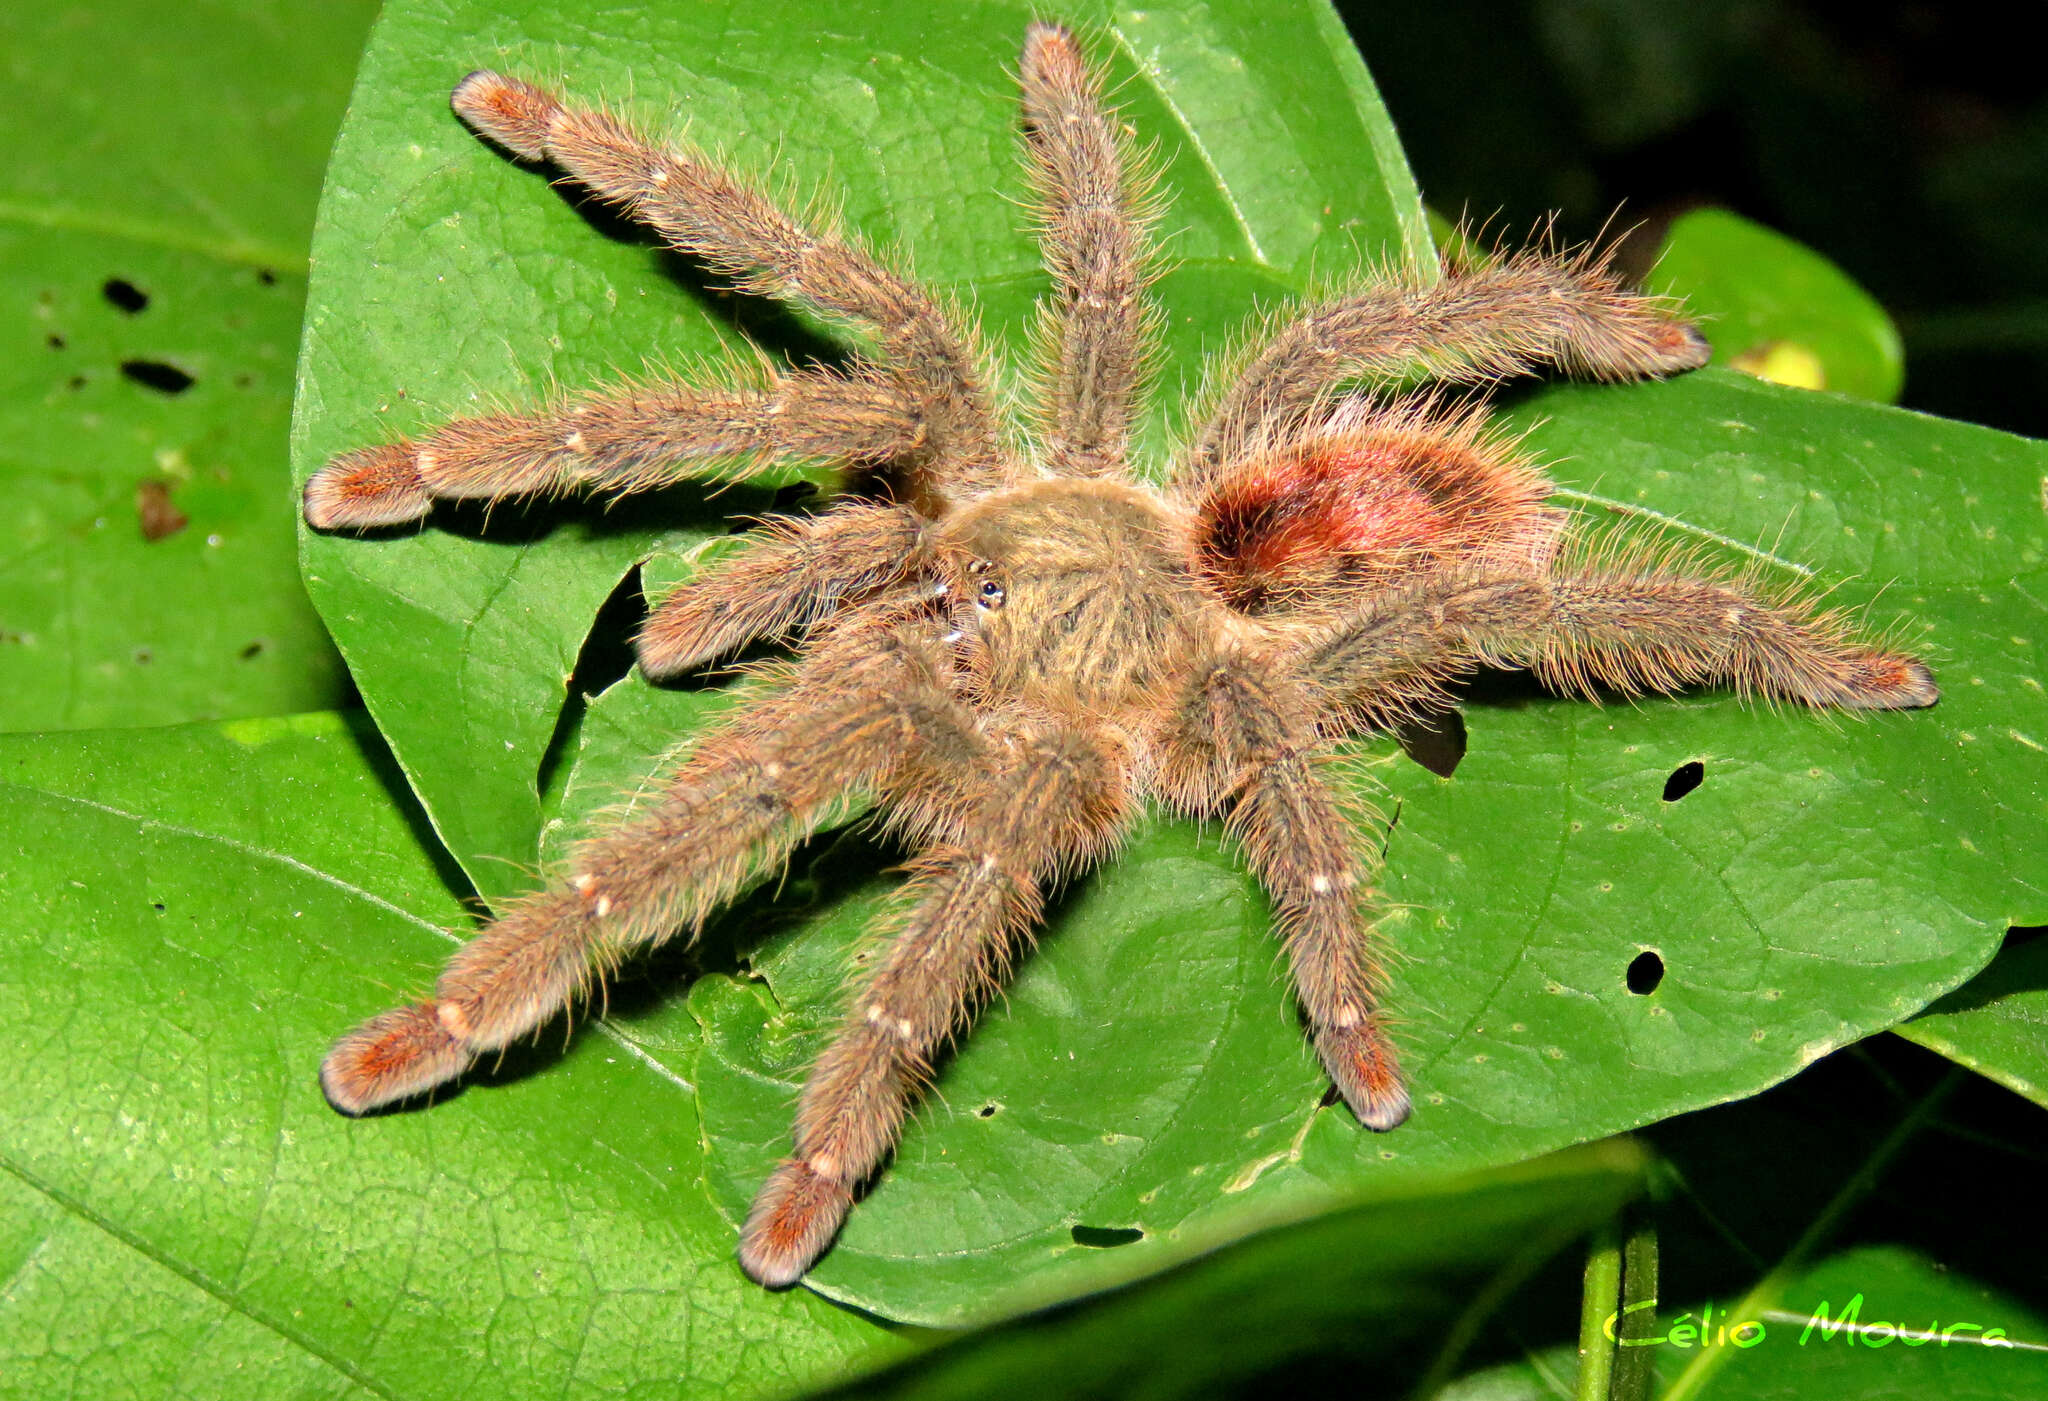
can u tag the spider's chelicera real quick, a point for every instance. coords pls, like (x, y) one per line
(1010, 642)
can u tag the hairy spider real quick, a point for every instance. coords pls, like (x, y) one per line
(1012, 642)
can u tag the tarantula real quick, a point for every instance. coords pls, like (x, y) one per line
(1012, 641)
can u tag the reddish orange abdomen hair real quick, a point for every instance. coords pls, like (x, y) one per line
(1376, 494)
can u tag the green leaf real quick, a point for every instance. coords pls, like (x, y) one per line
(1146, 1077)
(1390, 1289)
(1875, 1321)
(180, 1211)
(1761, 295)
(1824, 880)
(155, 211)
(1997, 1023)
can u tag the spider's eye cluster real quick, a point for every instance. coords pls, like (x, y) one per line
(988, 594)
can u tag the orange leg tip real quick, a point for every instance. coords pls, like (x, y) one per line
(396, 1056)
(370, 487)
(794, 1218)
(1361, 1061)
(1683, 347)
(513, 114)
(665, 648)
(1897, 683)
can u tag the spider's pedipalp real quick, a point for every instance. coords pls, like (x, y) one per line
(1243, 732)
(634, 438)
(708, 212)
(1059, 802)
(803, 571)
(1479, 322)
(1093, 227)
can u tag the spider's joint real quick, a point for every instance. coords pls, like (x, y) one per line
(825, 1165)
(574, 442)
(1346, 1017)
(1319, 883)
(450, 1015)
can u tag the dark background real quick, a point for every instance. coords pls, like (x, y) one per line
(1907, 141)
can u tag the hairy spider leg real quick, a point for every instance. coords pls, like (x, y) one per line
(710, 213)
(1058, 805)
(1244, 734)
(795, 574)
(1632, 628)
(631, 438)
(1477, 322)
(871, 703)
(1094, 218)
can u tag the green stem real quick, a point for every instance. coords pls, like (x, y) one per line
(1635, 1367)
(1598, 1307)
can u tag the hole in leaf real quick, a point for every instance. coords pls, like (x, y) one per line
(787, 498)
(1645, 971)
(1686, 777)
(252, 651)
(158, 906)
(1435, 740)
(1106, 1237)
(54, 341)
(988, 1111)
(124, 294)
(157, 375)
(266, 277)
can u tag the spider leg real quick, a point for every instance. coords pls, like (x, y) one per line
(1057, 805)
(802, 571)
(867, 707)
(1243, 733)
(1093, 224)
(628, 439)
(1479, 321)
(1631, 627)
(705, 210)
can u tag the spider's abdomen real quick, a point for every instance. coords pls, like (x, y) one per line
(1375, 493)
(1076, 591)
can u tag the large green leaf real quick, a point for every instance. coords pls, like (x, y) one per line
(155, 210)
(1823, 881)
(1146, 1077)
(180, 1211)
